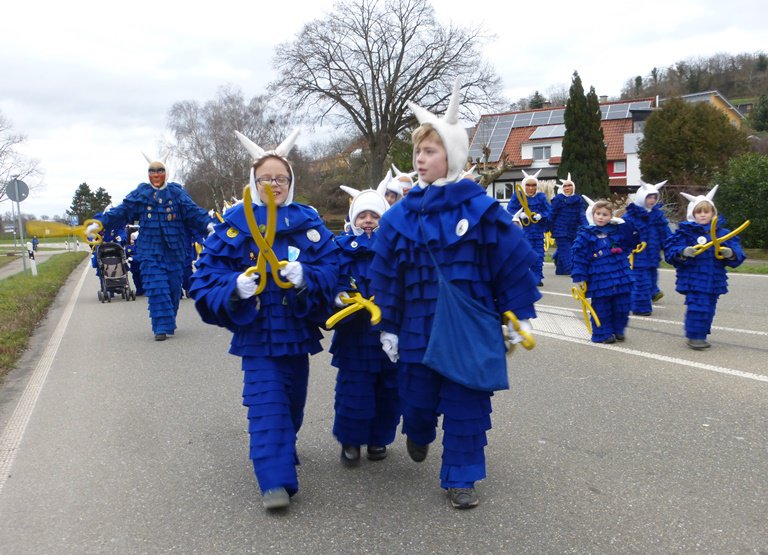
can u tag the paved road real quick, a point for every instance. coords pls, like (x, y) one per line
(133, 446)
(40, 256)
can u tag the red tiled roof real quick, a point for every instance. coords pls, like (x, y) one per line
(613, 132)
(617, 181)
(518, 136)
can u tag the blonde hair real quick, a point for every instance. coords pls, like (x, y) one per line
(602, 204)
(700, 207)
(424, 132)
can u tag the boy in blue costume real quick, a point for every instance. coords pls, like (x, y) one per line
(652, 227)
(535, 227)
(133, 260)
(600, 264)
(701, 276)
(567, 217)
(274, 326)
(367, 408)
(165, 213)
(449, 221)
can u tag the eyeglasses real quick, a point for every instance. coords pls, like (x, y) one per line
(281, 180)
(156, 170)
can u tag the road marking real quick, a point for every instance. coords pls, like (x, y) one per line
(551, 308)
(566, 327)
(14, 431)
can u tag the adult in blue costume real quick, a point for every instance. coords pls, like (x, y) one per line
(165, 213)
(274, 329)
(600, 262)
(652, 227)
(535, 227)
(567, 217)
(367, 409)
(701, 277)
(479, 251)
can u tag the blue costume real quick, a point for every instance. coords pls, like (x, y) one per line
(366, 405)
(273, 332)
(600, 259)
(535, 230)
(165, 215)
(480, 251)
(702, 278)
(567, 216)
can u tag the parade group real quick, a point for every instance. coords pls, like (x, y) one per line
(429, 287)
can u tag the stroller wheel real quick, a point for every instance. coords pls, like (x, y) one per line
(101, 295)
(133, 295)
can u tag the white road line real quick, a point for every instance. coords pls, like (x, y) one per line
(569, 328)
(549, 308)
(14, 431)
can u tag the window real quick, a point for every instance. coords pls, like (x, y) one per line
(620, 167)
(542, 152)
(504, 191)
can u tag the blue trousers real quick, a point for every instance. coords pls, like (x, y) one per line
(614, 315)
(699, 312)
(562, 256)
(161, 279)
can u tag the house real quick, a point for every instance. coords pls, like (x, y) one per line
(532, 140)
(734, 115)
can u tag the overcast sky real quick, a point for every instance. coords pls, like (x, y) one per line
(90, 83)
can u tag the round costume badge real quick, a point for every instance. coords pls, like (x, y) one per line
(701, 240)
(353, 244)
(232, 233)
(313, 235)
(461, 227)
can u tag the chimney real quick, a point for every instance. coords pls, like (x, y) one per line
(602, 98)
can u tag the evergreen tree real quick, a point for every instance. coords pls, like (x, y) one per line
(743, 195)
(583, 143)
(758, 117)
(101, 199)
(82, 203)
(536, 101)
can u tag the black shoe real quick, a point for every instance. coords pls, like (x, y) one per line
(641, 313)
(657, 296)
(620, 337)
(350, 455)
(160, 337)
(376, 452)
(417, 452)
(540, 284)
(609, 340)
(463, 498)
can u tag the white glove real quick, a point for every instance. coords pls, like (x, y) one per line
(536, 217)
(210, 228)
(616, 220)
(338, 300)
(92, 229)
(389, 345)
(246, 285)
(523, 217)
(130, 259)
(727, 252)
(689, 252)
(294, 273)
(511, 337)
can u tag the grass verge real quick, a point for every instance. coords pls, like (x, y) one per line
(24, 302)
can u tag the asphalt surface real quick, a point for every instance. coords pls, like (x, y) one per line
(135, 446)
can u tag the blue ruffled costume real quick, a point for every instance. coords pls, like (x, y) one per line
(534, 232)
(164, 215)
(367, 405)
(703, 278)
(275, 332)
(600, 259)
(484, 254)
(567, 217)
(653, 228)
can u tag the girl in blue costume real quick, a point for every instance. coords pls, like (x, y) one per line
(481, 252)
(652, 227)
(600, 261)
(366, 405)
(166, 213)
(276, 330)
(702, 277)
(534, 228)
(567, 217)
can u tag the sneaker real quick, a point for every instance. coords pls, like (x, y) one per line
(417, 452)
(698, 344)
(641, 313)
(160, 337)
(620, 337)
(609, 340)
(540, 284)
(276, 498)
(463, 498)
(657, 296)
(376, 452)
(350, 455)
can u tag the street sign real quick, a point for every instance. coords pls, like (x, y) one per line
(16, 190)
(9, 228)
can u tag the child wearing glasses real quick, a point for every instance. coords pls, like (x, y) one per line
(701, 274)
(274, 315)
(447, 238)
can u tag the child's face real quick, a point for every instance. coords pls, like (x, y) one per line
(530, 188)
(391, 197)
(602, 216)
(367, 220)
(650, 201)
(568, 189)
(431, 160)
(703, 214)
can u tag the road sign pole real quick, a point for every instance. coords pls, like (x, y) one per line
(21, 228)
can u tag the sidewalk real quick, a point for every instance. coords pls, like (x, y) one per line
(17, 266)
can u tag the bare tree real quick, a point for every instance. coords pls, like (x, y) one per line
(214, 164)
(359, 65)
(12, 163)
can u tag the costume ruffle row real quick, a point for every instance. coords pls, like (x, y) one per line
(534, 232)
(567, 216)
(483, 253)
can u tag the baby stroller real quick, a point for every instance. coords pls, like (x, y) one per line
(113, 272)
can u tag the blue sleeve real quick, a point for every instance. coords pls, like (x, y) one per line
(581, 252)
(195, 218)
(120, 215)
